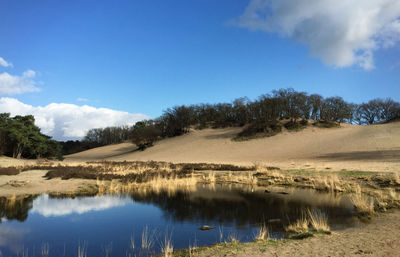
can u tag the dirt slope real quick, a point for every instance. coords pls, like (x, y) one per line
(351, 147)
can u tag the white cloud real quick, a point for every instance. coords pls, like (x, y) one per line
(47, 206)
(81, 99)
(4, 63)
(69, 121)
(11, 85)
(340, 33)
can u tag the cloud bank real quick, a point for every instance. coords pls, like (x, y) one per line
(68, 121)
(340, 33)
(11, 85)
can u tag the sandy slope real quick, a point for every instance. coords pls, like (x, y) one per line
(375, 147)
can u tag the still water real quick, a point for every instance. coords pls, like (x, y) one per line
(106, 225)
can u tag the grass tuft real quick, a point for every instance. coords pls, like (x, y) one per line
(311, 222)
(300, 226)
(318, 220)
(166, 247)
(364, 206)
(147, 239)
(262, 233)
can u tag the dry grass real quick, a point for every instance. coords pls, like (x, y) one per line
(233, 238)
(167, 247)
(209, 177)
(362, 204)
(192, 249)
(82, 250)
(148, 239)
(396, 178)
(318, 220)
(392, 194)
(312, 221)
(157, 185)
(132, 243)
(221, 233)
(262, 233)
(330, 183)
(10, 171)
(45, 250)
(386, 199)
(137, 172)
(300, 226)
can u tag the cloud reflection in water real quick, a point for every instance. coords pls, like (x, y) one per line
(48, 206)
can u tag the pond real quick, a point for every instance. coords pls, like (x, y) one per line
(107, 225)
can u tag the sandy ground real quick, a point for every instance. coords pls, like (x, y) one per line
(380, 238)
(32, 182)
(351, 147)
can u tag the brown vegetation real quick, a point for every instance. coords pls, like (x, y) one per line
(9, 170)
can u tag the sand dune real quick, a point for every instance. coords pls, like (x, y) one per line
(351, 147)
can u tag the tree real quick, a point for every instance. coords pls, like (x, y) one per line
(144, 134)
(315, 102)
(21, 130)
(20, 137)
(241, 111)
(335, 109)
(370, 112)
(4, 125)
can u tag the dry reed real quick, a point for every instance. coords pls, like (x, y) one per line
(262, 233)
(318, 220)
(362, 204)
(167, 247)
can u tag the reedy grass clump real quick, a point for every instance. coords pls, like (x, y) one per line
(45, 249)
(192, 248)
(148, 239)
(167, 247)
(312, 221)
(363, 205)
(298, 227)
(233, 238)
(330, 183)
(262, 233)
(318, 220)
(82, 250)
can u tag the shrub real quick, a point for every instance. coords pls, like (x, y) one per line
(9, 171)
(326, 124)
(257, 129)
(145, 137)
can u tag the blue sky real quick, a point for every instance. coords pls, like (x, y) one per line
(146, 56)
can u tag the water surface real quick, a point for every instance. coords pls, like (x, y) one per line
(104, 225)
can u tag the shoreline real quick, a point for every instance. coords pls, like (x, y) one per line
(383, 187)
(381, 237)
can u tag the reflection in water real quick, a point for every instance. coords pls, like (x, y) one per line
(15, 208)
(239, 209)
(12, 238)
(243, 206)
(47, 206)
